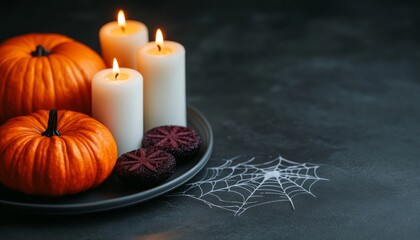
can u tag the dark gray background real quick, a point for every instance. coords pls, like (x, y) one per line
(334, 83)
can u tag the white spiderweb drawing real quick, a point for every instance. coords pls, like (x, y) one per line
(240, 187)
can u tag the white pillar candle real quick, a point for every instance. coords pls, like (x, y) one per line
(120, 39)
(117, 102)
(162, 65)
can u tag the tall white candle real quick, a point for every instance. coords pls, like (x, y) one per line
(120, 39)
(162, 64)
(117, 102)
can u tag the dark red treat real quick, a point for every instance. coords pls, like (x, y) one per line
(145, 167)
(182, 142)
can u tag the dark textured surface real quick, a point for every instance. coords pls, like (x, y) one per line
(329, 82)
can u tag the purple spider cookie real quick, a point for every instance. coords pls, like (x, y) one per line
(145, 167)
(182, 142)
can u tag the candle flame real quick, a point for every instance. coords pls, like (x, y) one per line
(115, 69)
(159, 39)
(121, 20)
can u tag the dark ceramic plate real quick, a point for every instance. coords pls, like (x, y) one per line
(112, 194)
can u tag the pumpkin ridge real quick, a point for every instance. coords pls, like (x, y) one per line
(11, 106)
(70, 165)
(82, 86)
(75, 141)
(35, 162)
(80, 68)
(5, 135)
(3, 84)
(16, 161)
(9, 50)
(39, 121)
(110, 150)
(29, 125)
(65, 122)
(28, 91)
(60, 82)
(86, 87)
(70, 119)
(68, 86)
(53, 152)
(66, 162)
(93, 140)
(47, 83)
(91, 132)
(74, 166)
(6, 145)
(102, 172)
(11, 164)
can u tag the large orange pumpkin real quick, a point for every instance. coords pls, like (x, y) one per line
(45, 71)
(55, 153)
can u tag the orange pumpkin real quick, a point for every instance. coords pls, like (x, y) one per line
(45, 71)
(55, 153)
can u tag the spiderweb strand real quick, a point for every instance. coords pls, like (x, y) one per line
(239, 187)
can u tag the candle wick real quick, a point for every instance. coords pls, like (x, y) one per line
(123, 29)
(159, 47)
(116, 76)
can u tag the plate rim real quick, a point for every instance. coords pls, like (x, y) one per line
(123, 201)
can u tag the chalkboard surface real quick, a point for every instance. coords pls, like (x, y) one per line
(333, 84)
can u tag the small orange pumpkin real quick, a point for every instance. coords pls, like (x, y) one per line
(45, 71)
(55, 153)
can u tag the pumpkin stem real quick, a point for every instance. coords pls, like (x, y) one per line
(52, 125)
(40, 51)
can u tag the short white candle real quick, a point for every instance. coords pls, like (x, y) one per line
(117, 102)
(162, 64)
(120, 39)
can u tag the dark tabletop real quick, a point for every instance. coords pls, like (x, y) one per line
(331, 83)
